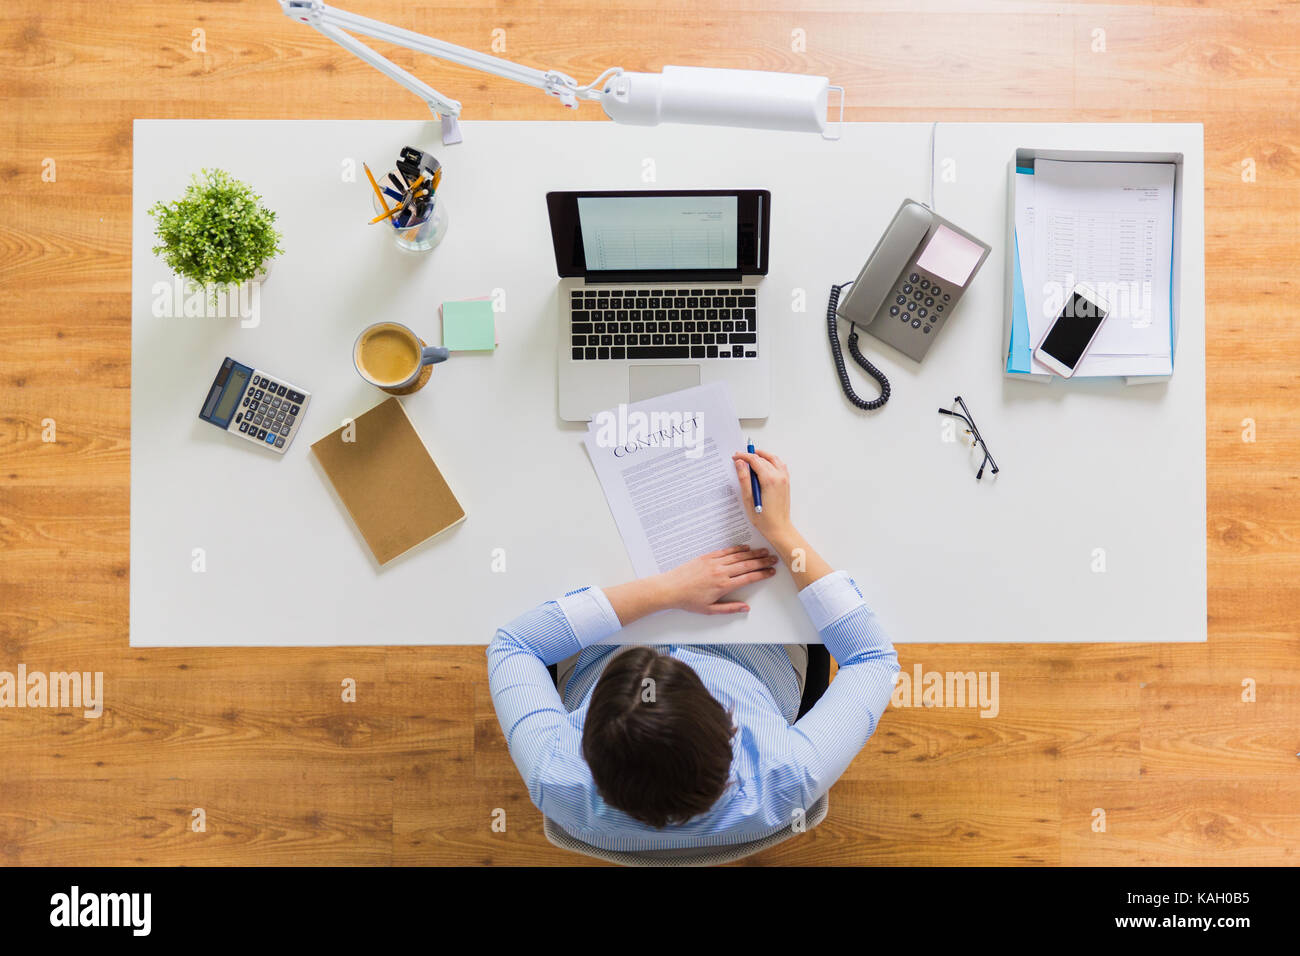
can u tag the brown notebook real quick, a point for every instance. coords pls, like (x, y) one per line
(388, 481)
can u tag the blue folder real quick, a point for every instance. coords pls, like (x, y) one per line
(1020, 352)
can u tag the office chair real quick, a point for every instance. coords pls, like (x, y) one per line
(816, 680)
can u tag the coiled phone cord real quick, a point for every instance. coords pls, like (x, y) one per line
(833, 332)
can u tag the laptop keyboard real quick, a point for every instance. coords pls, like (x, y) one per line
(700, 323)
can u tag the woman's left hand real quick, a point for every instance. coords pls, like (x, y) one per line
(700, 584)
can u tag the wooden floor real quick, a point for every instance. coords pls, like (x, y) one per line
(1156, 736)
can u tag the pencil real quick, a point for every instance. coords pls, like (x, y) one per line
(378, 192)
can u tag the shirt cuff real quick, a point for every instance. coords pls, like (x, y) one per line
(590, 615)
(829, 598)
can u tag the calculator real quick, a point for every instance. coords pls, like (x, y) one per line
(248, 402)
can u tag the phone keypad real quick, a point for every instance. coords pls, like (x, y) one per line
(919, 301)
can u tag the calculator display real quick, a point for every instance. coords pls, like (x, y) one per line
(234, 388)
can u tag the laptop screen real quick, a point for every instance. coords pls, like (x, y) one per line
(626, 233)
(652, 235)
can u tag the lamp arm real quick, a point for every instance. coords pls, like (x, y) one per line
(436, 101)
(332, 23)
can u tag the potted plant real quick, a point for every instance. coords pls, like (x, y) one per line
(218, 233)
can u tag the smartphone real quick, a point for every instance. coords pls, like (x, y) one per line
(1072, 332)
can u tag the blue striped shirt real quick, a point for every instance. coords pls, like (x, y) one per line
(779, 767)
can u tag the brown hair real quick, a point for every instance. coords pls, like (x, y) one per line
(657, 742)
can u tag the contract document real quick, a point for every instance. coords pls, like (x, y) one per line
(666, 469)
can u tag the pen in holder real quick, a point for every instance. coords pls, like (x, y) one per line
(420, 218)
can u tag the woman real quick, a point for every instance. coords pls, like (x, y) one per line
(690, 745)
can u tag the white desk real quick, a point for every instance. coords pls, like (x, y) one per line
(941, 556)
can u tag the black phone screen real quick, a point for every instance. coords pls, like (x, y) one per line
(1073, 330)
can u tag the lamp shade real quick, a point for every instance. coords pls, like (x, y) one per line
(755, 99)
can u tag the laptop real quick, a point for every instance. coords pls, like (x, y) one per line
(659, 292)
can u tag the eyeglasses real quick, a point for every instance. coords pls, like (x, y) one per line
(974, 432)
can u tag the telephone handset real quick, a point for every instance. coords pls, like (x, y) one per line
(906, 290)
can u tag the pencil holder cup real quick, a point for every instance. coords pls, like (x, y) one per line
(417, 235)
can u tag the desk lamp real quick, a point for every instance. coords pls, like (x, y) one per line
(755, 99)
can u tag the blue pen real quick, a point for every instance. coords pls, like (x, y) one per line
(753, 484)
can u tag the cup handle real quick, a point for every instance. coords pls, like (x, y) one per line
(433, 354)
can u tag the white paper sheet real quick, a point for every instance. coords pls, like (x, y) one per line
(1109, 225)
(666, 470)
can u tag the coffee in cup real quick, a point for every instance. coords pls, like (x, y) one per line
(390, 356)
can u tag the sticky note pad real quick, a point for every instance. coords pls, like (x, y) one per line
(468, 326)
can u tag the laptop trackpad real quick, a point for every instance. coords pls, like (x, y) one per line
(647, 381)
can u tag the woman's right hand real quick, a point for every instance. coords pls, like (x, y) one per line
(773, 522)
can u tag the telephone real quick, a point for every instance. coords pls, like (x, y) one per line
(906, 291)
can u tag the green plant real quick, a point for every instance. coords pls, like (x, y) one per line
(218, 232)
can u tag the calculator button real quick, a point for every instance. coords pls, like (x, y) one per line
(296, 398)
(922, 313)
(929, 300)
(282, 390)
(926, 329)
(939, 307)
(275, 401)
(925, 283)
(279, 443)
(258, 395)
(946, 297)
(257, 380)
(245, 401)
(901, 299)
(244, 427)
(911, 307)
(907, 289)
(284, 430)
(916, 323)
(918, 295)
(935, 290)
(913, 277)
(296, 408)
(893, 310)
(271, 437)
